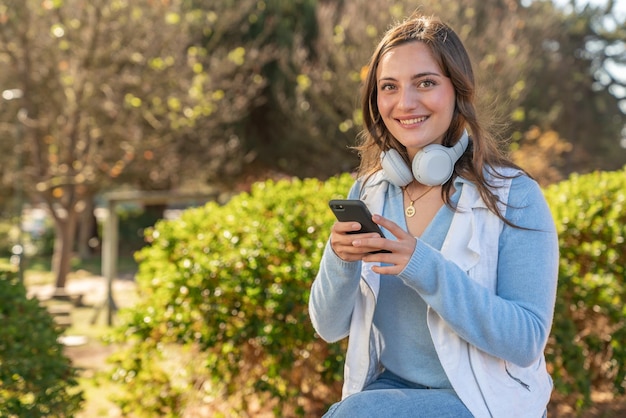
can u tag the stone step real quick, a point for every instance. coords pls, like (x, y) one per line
(63, 321)
(59, 309)
(61, 313)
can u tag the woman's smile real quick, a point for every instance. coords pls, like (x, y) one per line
(412, 121)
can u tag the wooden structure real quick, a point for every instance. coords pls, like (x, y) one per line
(110, 231)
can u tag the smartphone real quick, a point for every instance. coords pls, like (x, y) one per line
(347, 210)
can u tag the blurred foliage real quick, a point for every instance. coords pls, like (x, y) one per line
(36, 379)
(36, 242)
(8, 237)
(133, 221)
(112, 92)
(531, 154)
(588, 344)
(572, 87)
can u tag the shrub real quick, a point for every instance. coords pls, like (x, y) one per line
(232, 282)
(36, 379)
(588, 345)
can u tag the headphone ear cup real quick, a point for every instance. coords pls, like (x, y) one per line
(396, 170)
(433, 165)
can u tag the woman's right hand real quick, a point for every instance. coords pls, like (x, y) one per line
(341, 240)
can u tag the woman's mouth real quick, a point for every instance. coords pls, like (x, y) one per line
(412, 120)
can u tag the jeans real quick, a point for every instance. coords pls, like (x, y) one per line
(392, 396)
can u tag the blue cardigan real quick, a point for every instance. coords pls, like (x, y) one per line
(513, 324)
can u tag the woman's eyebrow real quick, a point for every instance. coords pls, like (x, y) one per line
(425, 74)
(415, 76)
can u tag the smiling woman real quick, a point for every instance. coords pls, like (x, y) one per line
(449, 312)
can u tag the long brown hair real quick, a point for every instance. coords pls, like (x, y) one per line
(450, 53)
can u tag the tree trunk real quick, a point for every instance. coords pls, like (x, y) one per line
(64, 246)
(88, 237)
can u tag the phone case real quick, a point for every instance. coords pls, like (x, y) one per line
(354, 210)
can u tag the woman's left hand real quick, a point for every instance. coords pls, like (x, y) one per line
(400, 250)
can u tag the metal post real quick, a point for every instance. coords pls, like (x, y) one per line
(109, 256)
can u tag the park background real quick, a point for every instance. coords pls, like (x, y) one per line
(254, 105)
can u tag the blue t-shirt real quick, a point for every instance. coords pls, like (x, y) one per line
(400, 316)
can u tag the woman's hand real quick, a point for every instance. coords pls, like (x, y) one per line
(401, 249)
(342, 236)
(354, 247)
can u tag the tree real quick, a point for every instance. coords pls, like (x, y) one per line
(570, 89)
(112, 90)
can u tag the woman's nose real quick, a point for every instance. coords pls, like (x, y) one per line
(408, 99)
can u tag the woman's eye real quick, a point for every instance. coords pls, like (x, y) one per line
(387, 87)
(427, 83)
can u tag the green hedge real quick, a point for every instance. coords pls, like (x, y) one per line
(225, 289)
(36, 379)
(588, 346)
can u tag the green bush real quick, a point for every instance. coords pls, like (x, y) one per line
(588, 345)
(36, 379)
(232, 282)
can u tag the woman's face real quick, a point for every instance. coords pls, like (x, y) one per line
(415, 100)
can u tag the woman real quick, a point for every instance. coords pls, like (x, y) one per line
(452, 321)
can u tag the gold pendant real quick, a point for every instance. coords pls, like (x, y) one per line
(410, 211)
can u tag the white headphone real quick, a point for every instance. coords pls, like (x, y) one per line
(432, 166)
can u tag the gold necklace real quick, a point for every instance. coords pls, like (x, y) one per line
(410, 210)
